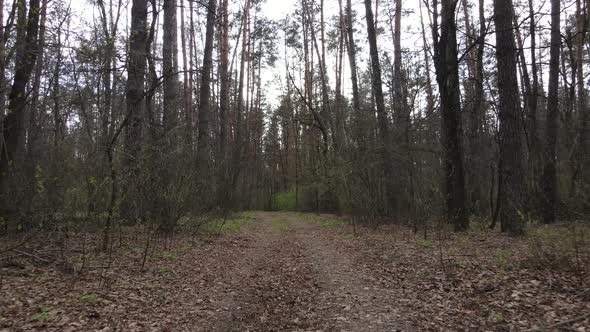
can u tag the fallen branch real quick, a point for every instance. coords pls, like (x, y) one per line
(556, 325)
(30, 255)
(23, 241)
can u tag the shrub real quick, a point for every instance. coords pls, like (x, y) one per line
(284, 201)
(557, 247)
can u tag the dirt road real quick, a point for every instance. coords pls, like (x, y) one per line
(295, 277)
(298, 272)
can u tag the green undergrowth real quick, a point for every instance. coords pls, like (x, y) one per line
(324, 221)
(168, 255)
(284, 201)
(89, 298)
(232, 224)
(559, 247)
(332, 222)
(425, 243)
(152, 285)
(280, 224)
(42, 315)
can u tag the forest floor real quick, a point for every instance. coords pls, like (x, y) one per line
(302, 272)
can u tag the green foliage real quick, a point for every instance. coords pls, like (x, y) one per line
(233, 224)
(164, 269)
(502, 257)
(247, 215)
(39, 182)
(168, 255)
(332, 222)
(427, 244)
(89, 298)
(92, 180)
(280, 225)
(545, 233)
(284, 201)
(152, 285)
(42, 315)
(559, 248)
(498, 318)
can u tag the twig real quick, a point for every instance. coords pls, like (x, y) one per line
(25, 240)
(30, 255)
(567, 322)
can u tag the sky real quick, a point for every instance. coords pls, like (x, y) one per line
(273, 78)
(285, 9)
(411, 29)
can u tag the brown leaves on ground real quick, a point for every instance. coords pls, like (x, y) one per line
(300, 272)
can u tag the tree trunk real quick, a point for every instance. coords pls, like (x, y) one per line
(14, 126)
(224, 104)
(512, 180)
(582, 148)
(134, 92)
(187, 91)
(203, 139)
(447, 76)
(381, 113)
(170, 74)
(238, 144)
(351, 47)
(549, 184)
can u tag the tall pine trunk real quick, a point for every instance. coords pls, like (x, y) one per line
(512, 174)
(134, 92)
(447, 76)
(384, 148)
(170, 74)
(549, 184)
(205, 106)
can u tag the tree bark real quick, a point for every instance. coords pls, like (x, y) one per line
(203, 139)
(381, 113)
(134, 92)
(170, 74)
(351, 47)
(187, 91)
(224, 105)
(512, 172)
(447, 76)
(583, 146)
(549, 184)
(14, 126)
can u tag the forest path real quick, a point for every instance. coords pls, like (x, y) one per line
(297, 276)
(286, 271)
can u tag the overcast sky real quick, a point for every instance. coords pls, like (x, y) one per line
(280, 9)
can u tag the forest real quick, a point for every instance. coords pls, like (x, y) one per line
(294, 165)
